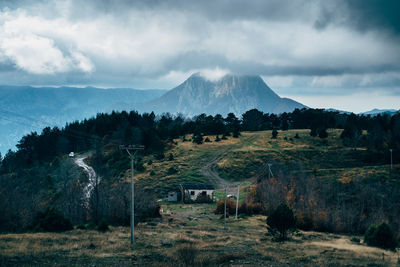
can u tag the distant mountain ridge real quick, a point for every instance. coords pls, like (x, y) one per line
(231, 93)
(372, 112)
(376, 111)
(24, 108)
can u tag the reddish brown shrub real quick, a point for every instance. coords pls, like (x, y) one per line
(230, 206)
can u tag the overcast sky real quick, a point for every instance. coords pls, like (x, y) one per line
(343, 54)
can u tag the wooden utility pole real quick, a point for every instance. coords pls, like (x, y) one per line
(237, 201)
(391, 159)
(134, 148)
(225, 211)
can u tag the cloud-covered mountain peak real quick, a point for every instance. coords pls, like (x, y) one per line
(231, 93)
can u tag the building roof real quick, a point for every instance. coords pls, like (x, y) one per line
(198, 186)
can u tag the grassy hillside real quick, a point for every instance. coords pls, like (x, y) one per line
(245, 159)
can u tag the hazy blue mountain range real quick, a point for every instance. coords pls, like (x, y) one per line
(24, 109)
(372, 112)
(376, 111)
(231, 93)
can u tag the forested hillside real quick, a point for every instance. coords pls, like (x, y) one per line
(315, 170)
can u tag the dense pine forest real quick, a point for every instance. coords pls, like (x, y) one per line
(40, 179)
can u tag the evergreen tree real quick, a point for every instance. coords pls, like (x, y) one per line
(281, 220)
(380, 236)
(274, 134)
(235, 133)
(198, 139)
(313, 132)
(285, 125)
(322, 133)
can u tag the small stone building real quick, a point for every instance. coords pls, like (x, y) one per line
(191, 192)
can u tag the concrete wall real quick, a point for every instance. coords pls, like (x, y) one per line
(196, 192)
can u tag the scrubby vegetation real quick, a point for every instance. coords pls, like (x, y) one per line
(333, 180)
(51, 220)
(185, 234)
(230, 207)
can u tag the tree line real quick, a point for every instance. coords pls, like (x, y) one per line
(381, 131)
(34, 177)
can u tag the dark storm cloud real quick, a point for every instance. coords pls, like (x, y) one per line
(203, 60)
(216, 9)
(366, 14)
(362, 15)
(130, 43)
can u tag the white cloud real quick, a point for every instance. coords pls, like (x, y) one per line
(214, 74)
(278, 81)
(30, 42)
(35, 54)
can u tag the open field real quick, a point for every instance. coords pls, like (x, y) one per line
(246, 242)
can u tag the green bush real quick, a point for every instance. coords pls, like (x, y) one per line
(52, 220)
(235, 133)
(313, 132)
(91, 226)
(380, 236)
(203, 199)
(102, 226)
(81, 227)
(139, 166)
(280, 221)
(159, 156)
(197, 139)
(171, 170)
(274, 134)
(322, 133)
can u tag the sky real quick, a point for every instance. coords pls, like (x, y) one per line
(342, 54)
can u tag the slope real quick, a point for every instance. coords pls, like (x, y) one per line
(231, 93)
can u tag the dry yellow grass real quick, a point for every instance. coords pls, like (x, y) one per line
(246, 242)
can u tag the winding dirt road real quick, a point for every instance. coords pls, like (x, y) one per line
(93, 179)
(209, 169)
